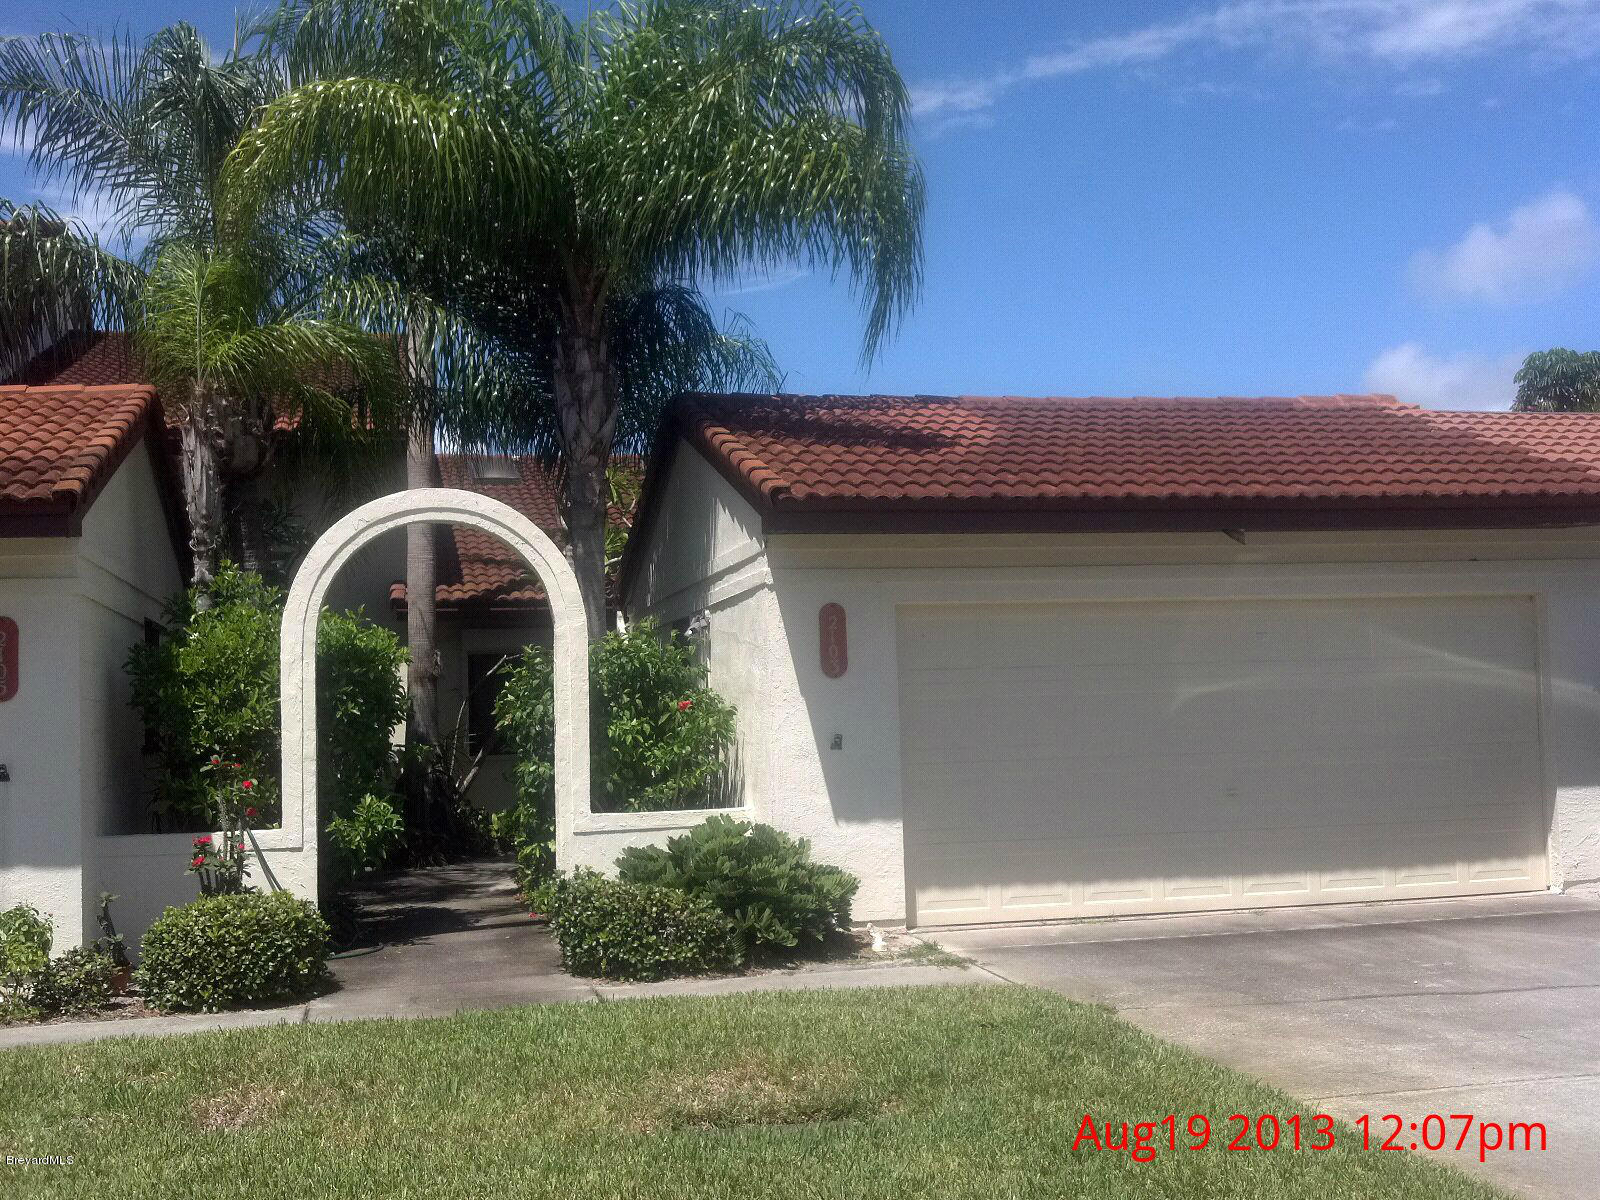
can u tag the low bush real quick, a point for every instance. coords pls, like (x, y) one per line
(33, 985)
(627, 931)
(764, 880)
(76, 982)
(226, 951)
(364, 840)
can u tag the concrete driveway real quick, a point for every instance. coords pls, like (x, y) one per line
(1484, 1006)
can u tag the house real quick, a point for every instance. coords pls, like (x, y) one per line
(92, 544)
(1016, 659)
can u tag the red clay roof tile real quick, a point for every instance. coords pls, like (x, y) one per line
(476, 569)
(964, 453)
(59, 444)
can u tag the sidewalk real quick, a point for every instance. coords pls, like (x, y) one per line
(456, 939)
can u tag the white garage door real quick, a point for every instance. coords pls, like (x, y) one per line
(1090, 759)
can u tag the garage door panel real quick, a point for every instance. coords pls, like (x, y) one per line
(1064, 760)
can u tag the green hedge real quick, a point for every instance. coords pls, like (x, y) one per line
(616, 930)
(227, 951)
(764, 880)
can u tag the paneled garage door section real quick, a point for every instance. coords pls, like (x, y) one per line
(1072, 760)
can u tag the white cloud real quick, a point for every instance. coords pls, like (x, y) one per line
(1540, 250)
(1460, 381)
(1397, 33)
(765, 281)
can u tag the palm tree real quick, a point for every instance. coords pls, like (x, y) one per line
(55, 279)
(565, 175)
(232, 352)
(146, 127)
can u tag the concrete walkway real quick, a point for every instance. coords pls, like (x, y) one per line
(1479, 1006)
(456, 938)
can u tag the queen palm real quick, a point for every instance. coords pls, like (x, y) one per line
(232, 351)
(221, 318)
(55, 280)
(568, 173)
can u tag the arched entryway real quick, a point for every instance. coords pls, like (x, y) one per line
(298, 657)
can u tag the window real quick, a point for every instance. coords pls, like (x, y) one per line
(485, 676)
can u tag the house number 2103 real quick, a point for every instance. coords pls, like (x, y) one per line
(835, 645)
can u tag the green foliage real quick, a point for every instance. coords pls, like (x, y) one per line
(76, 982)
(763, 879)
(211, 687)
(660, 737)
(364, 840)
(1559, 381)
(616, 930)
(32, 984)
(55, 281)
(25, 936)
(224, 951)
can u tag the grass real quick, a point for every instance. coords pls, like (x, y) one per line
(938, 1092)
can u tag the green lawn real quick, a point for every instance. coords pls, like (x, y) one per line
(938, 1092)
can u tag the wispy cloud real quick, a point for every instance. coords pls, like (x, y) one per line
(769, 281)
(1400, 33)
(1540, 250)
(1463, 381)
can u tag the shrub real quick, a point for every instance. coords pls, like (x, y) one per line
(660, 737)
(78, 981)
(224, 951)
(365, 839)
(211, 687)
(25, 936)
(764, 880)
(628, 931)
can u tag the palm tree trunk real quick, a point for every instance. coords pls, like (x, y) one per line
(202, 493)
(422, 677)
(586, 410)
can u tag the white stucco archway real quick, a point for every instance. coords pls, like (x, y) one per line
(291, 850)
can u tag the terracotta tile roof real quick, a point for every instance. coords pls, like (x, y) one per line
(477, 570)
(59, 444)
(947, 454)
(95, 359)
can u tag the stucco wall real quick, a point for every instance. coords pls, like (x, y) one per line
(69, 738)
(763, 643)
(41, 815)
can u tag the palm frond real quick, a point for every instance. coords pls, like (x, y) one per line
(55, 280)
(727, 135)
(383, 153)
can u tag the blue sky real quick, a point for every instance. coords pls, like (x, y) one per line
(1245, 197)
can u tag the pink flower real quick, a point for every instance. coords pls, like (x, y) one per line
(203, 841)
(685, 705)
(248, 784)
(199, 861)
(238, 845)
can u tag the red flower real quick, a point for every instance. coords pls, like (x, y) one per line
(199, 861)
(236, 764)
(685, 705)
(238, 845)
(248, 784)
(251, 813)
(215, 760)
(203, 841)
